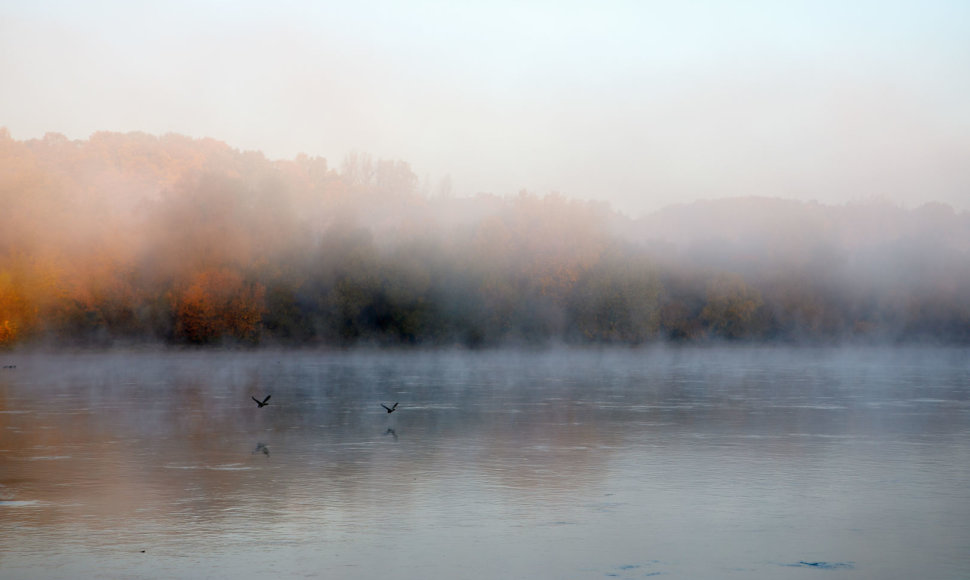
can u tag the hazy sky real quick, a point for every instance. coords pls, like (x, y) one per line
(642, 103)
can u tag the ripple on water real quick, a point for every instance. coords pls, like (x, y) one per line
(226, 467)
(823, 565)
(19, 503)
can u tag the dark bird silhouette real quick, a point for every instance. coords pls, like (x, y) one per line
(391, 408)
(261, 448)
(264, 402)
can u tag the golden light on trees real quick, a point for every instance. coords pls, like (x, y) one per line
(180, 240)
(217, 304)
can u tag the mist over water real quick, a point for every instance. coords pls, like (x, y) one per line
(652, 289)
(683, 462)
(132, 239)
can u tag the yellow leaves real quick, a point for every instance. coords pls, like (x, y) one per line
(220, 303)
(16, 313)
(33, 290)
(8, 332)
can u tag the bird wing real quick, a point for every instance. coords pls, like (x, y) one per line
(394, 407)
(385, 406)
(255, 399)
(266, 399)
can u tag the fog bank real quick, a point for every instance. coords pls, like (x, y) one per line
(127, 238)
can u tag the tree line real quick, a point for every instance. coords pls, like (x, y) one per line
(131, 238)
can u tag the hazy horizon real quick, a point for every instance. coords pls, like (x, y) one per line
(133, 237)
(642, 105)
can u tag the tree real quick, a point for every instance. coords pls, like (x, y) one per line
(731, 306)
(219, 303)
(617, 300)
(15, 311)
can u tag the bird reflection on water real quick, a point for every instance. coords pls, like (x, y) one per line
(391, 432)
(261, 448)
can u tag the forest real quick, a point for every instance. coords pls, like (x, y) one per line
(128, 239)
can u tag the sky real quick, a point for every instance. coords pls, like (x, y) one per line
(639, 103)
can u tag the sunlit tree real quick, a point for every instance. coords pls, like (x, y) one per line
(218, 304)
(15, 310)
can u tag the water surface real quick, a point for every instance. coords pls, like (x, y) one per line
(680, 463)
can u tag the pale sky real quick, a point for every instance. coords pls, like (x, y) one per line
(640, 103)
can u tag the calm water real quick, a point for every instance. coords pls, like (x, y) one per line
(693, 463)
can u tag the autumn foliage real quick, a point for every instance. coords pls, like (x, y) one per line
(136, 238)
(219, 303)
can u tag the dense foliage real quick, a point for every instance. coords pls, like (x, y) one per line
(134, 238)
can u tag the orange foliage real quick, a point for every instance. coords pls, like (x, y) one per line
(14, 310)
(31, 293)
(133, 235)
(220, 303)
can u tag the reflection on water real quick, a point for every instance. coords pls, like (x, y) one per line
(695, 463)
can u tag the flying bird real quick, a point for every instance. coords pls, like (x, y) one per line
(264, 401)
(391, 408)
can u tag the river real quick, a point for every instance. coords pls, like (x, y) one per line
(692, 463)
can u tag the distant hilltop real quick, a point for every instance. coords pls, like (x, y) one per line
(769, 221)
